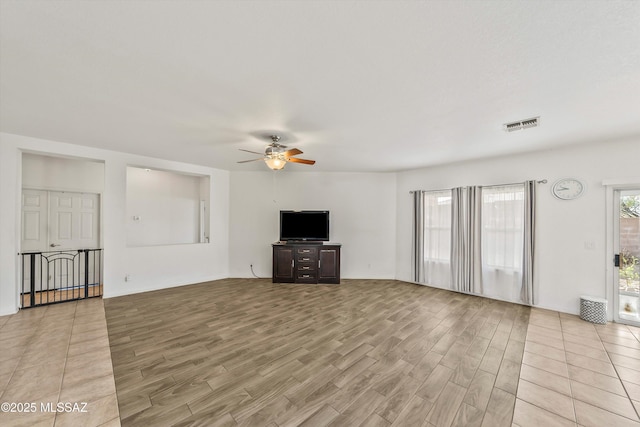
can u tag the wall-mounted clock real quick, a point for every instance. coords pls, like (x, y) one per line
(567, 188)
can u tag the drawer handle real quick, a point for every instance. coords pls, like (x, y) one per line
(305, 259)
(305, 276)
(305, 251)
(306, 267)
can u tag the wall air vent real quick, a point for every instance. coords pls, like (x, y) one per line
(522, 124)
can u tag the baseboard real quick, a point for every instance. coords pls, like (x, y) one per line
(107, 294)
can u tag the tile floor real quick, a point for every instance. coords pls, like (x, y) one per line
(573, 373)
(58, 354)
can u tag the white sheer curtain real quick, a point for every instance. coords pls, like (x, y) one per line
(503, 241)
(437, 238)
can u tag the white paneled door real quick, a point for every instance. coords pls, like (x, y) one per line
(56, 220)
(35, 207)
(73, 220)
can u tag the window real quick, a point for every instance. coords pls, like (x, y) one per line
(477, 240)
(437, 237)
(502, 239)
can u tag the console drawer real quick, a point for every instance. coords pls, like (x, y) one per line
(306, 266)
(307, 251)
(302, 277)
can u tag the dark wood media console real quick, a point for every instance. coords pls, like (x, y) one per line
(306, 263)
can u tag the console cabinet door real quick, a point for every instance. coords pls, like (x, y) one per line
(329, 265)
(283, 271)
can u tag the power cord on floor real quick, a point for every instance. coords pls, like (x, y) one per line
(254, 274)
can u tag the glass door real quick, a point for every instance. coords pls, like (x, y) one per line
(627, 257)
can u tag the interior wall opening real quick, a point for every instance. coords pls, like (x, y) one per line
(166, 207)
(61, 229)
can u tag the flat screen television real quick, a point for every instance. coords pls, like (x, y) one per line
(304, 226)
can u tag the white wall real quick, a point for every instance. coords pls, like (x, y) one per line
(571, 238)
(62, 174)
(163, 207)
(362, 218)
(150, 267)
(10, 182)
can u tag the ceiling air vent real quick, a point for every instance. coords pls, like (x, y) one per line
(522, 124)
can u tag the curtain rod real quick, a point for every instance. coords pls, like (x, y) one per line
(542, 181)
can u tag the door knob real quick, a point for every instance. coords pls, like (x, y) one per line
(53, 245)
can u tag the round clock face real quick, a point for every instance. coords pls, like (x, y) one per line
(567, 188)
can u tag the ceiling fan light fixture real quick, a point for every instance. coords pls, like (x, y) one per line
(276, 155)
(275, 162)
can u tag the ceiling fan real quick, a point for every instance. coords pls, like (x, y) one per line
(276, 155)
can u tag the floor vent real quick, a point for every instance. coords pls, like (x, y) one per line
(522, 124)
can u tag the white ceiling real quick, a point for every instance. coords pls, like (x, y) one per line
(361, 85)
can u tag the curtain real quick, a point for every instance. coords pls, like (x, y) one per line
(491, 240)
(502, 241)
(417, 246)
(437, 238)
(466, 215)
(474, 231)
(457, 239)
(526, 293)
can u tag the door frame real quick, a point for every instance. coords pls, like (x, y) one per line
(19, 149)
(613, 187)
(20, 231)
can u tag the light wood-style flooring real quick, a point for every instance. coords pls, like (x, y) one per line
(47, 297)
(366, 352)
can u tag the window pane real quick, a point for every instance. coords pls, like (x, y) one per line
(502, 226)
(437, 238)
(502, 241)
(437, 227)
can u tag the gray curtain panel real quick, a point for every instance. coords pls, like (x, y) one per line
(417, 248)
(474, 231)
(466, 227)
(529, 242)
(457, 239)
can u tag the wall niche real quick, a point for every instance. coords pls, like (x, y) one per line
(166, 207)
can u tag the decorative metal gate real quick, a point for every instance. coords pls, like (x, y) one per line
(58, 276)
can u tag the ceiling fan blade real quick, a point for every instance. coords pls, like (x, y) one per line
(304, 161)
(292, 152)
(252, 160)
(252, 152)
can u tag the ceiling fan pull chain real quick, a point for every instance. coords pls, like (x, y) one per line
(275, 187)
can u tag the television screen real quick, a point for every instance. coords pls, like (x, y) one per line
(304, 225)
